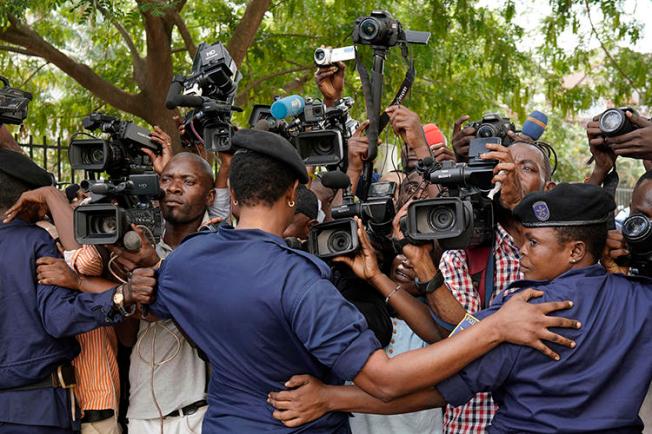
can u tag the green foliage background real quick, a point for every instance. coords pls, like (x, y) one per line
(479, 59)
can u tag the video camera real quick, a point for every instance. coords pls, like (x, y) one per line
(494, 125)
(464, 217)
(126, 198)
(340, 237)
(637, 231)
(318, 132)
(328, 56)
(210, 91)
(13, 104)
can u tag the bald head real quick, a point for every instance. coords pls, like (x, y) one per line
(194, 163)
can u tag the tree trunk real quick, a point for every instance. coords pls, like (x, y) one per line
(246, 30)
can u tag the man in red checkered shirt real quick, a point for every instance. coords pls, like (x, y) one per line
(527, 169)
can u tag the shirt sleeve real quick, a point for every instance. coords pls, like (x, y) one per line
(65, 312)
(330, 328)
(221, 206)
(454, 267)
(486, 374)
(163, 280)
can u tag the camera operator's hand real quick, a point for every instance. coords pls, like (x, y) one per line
(441, 152)
(141, 287)
(364, 264)
(145, 257)
(462, 139)
(407, 125)
(304, 400)
(614, 249)
(162, 138)
(55, 271)
(32, 205)
(358, 148)
(603, 156)
(523, 323)
(330, 81)
(506, 172)
(635, 144)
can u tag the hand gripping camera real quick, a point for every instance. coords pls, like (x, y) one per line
(614, 122)
(210, 91)
(126, 197)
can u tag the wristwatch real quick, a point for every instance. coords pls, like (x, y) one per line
(430, 286)
(119, 302)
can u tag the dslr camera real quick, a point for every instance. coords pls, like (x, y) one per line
(637, 231)
(461, 217)
(614, 122)
(127, 196)
(381, 29)
(210, 90)
(340, 237)
(13, 104)
(494, 125)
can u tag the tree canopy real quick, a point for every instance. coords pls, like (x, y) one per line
(118, 56)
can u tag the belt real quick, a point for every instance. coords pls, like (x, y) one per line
(188, 409)
(63, 377)
(91, 416)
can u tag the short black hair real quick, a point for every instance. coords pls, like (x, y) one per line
(256, 178)
(594, 236)
(10, 191)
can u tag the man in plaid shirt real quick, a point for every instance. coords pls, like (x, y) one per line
(527, 170)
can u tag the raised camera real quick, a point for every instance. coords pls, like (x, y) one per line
(104, 223)
(336, 238)
(381, 29)
(320, 147)
(637, 231)
(614, 122)
(328, 56)
(494, 125)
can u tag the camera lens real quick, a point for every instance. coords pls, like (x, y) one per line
(103, 224)
(486, 130)
(320, 54)
(441, 219)
(369, 28)
(339, 241)
(323, 147)
(636, 228)
(611, 121)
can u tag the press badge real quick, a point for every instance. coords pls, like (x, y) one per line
(468, 321)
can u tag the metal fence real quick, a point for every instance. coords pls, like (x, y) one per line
(53, 157)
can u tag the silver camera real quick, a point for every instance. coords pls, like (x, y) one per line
(328, 56)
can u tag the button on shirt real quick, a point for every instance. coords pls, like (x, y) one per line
(597, 387)
(261, 312)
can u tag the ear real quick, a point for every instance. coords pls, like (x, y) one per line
(578, 252)
(292, 191)
(210, 197)
(549, 185)
(233, 196)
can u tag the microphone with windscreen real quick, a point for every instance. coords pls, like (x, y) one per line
(292, 105)
(335, 180)
(535, 125)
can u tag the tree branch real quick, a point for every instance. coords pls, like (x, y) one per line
(27, 39)
(245, 31)
(17, 50)
(261, 80)
(185, 35)
(36, 71)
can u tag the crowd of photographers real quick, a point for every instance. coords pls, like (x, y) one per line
(172, 298)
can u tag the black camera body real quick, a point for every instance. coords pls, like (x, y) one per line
(119, 156)
(381, 29)
(637, 231)
(13, 104)
(465, 216)
(335, 238)
(614, 122)
(210, 90)
(494, 125)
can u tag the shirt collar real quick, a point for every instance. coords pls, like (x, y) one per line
(504, 238)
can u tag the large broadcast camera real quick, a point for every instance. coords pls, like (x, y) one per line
(318, 132)
(210, 91)
(13, 104)
(637, 231)
(340, 237)
(126, 197)
(465, 216)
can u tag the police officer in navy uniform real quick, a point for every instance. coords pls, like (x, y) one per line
(262, 311)
(38, 322)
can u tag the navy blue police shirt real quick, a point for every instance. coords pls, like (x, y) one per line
(37, 327)
(598, 387)
(261, 312)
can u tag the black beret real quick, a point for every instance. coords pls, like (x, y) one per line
(22, 168)
(274, 146)
(565, 205)
(307, 203)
